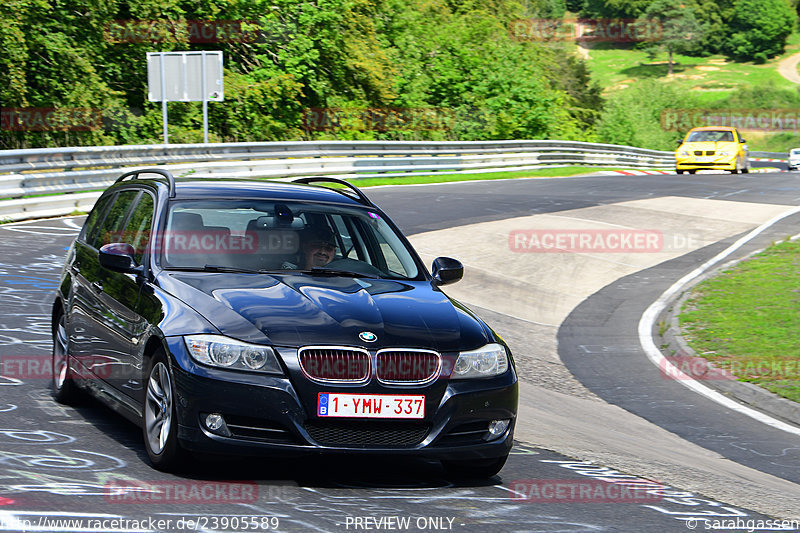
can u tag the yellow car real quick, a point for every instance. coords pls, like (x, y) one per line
(714, 148)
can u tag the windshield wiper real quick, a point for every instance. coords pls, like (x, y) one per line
(314, 271)
(322, 271)
(217, 268)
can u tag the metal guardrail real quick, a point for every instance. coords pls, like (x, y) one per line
(79, 170)
(783, 156)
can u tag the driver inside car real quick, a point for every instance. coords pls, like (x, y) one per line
(318, 247)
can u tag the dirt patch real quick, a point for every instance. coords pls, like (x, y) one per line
(710, 89)
(788, 68)
(707, 68)
(689, 76)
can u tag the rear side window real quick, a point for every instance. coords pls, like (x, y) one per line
(111, 228)
(92, 224)
(137, 230)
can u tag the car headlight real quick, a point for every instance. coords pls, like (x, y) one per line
(724, 153)
(684, 153)
(490, 360)
(223, 352)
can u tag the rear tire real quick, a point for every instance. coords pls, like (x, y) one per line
(64, 389)
(678, 171)
(476, 469)
(159, 421)
(691, 171)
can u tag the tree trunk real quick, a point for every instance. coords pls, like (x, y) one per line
(669, 72)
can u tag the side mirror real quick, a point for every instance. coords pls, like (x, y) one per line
(118, 256)
(741, 140)
(446, 270)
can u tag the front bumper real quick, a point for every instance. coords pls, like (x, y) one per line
(269, 415)
(718, 164)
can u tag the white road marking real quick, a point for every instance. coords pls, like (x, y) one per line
(654, 354)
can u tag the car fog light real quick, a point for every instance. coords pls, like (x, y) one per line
(216, 424)
(497, 428)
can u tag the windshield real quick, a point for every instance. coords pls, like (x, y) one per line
(710, 136)
(252, 235)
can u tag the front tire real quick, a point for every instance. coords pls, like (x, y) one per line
(159, 424)
(477, 469)
(64, 389)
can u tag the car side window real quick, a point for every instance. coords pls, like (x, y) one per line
(95, 217)
(137, 229)
(111, 229)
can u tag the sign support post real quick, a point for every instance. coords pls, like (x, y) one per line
(205, 100)
(164, 102)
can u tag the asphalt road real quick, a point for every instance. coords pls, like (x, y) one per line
(84, 463)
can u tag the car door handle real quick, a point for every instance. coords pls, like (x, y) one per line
(97, 286)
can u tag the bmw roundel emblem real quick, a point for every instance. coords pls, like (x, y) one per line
(367, 336)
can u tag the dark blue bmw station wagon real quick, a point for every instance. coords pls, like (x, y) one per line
(267, 318)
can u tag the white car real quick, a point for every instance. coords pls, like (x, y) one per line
(794, 159)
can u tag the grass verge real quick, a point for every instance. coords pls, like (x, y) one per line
(444, 178)
(746, 320)
(709, 79)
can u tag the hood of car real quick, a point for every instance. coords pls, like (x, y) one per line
(710, 146)
(301, 310)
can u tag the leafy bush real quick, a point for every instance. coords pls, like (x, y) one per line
(633, 117)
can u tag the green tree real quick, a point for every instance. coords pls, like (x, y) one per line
(616, 9)
(714, 16)
(759, 29)
(468, 63)
(671, 25)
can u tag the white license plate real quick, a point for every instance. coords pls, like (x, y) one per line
(371, 405)
(705, 159)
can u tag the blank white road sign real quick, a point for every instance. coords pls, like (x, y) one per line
(187, 76)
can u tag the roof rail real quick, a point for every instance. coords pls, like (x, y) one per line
(165, 173)
(359, 194)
